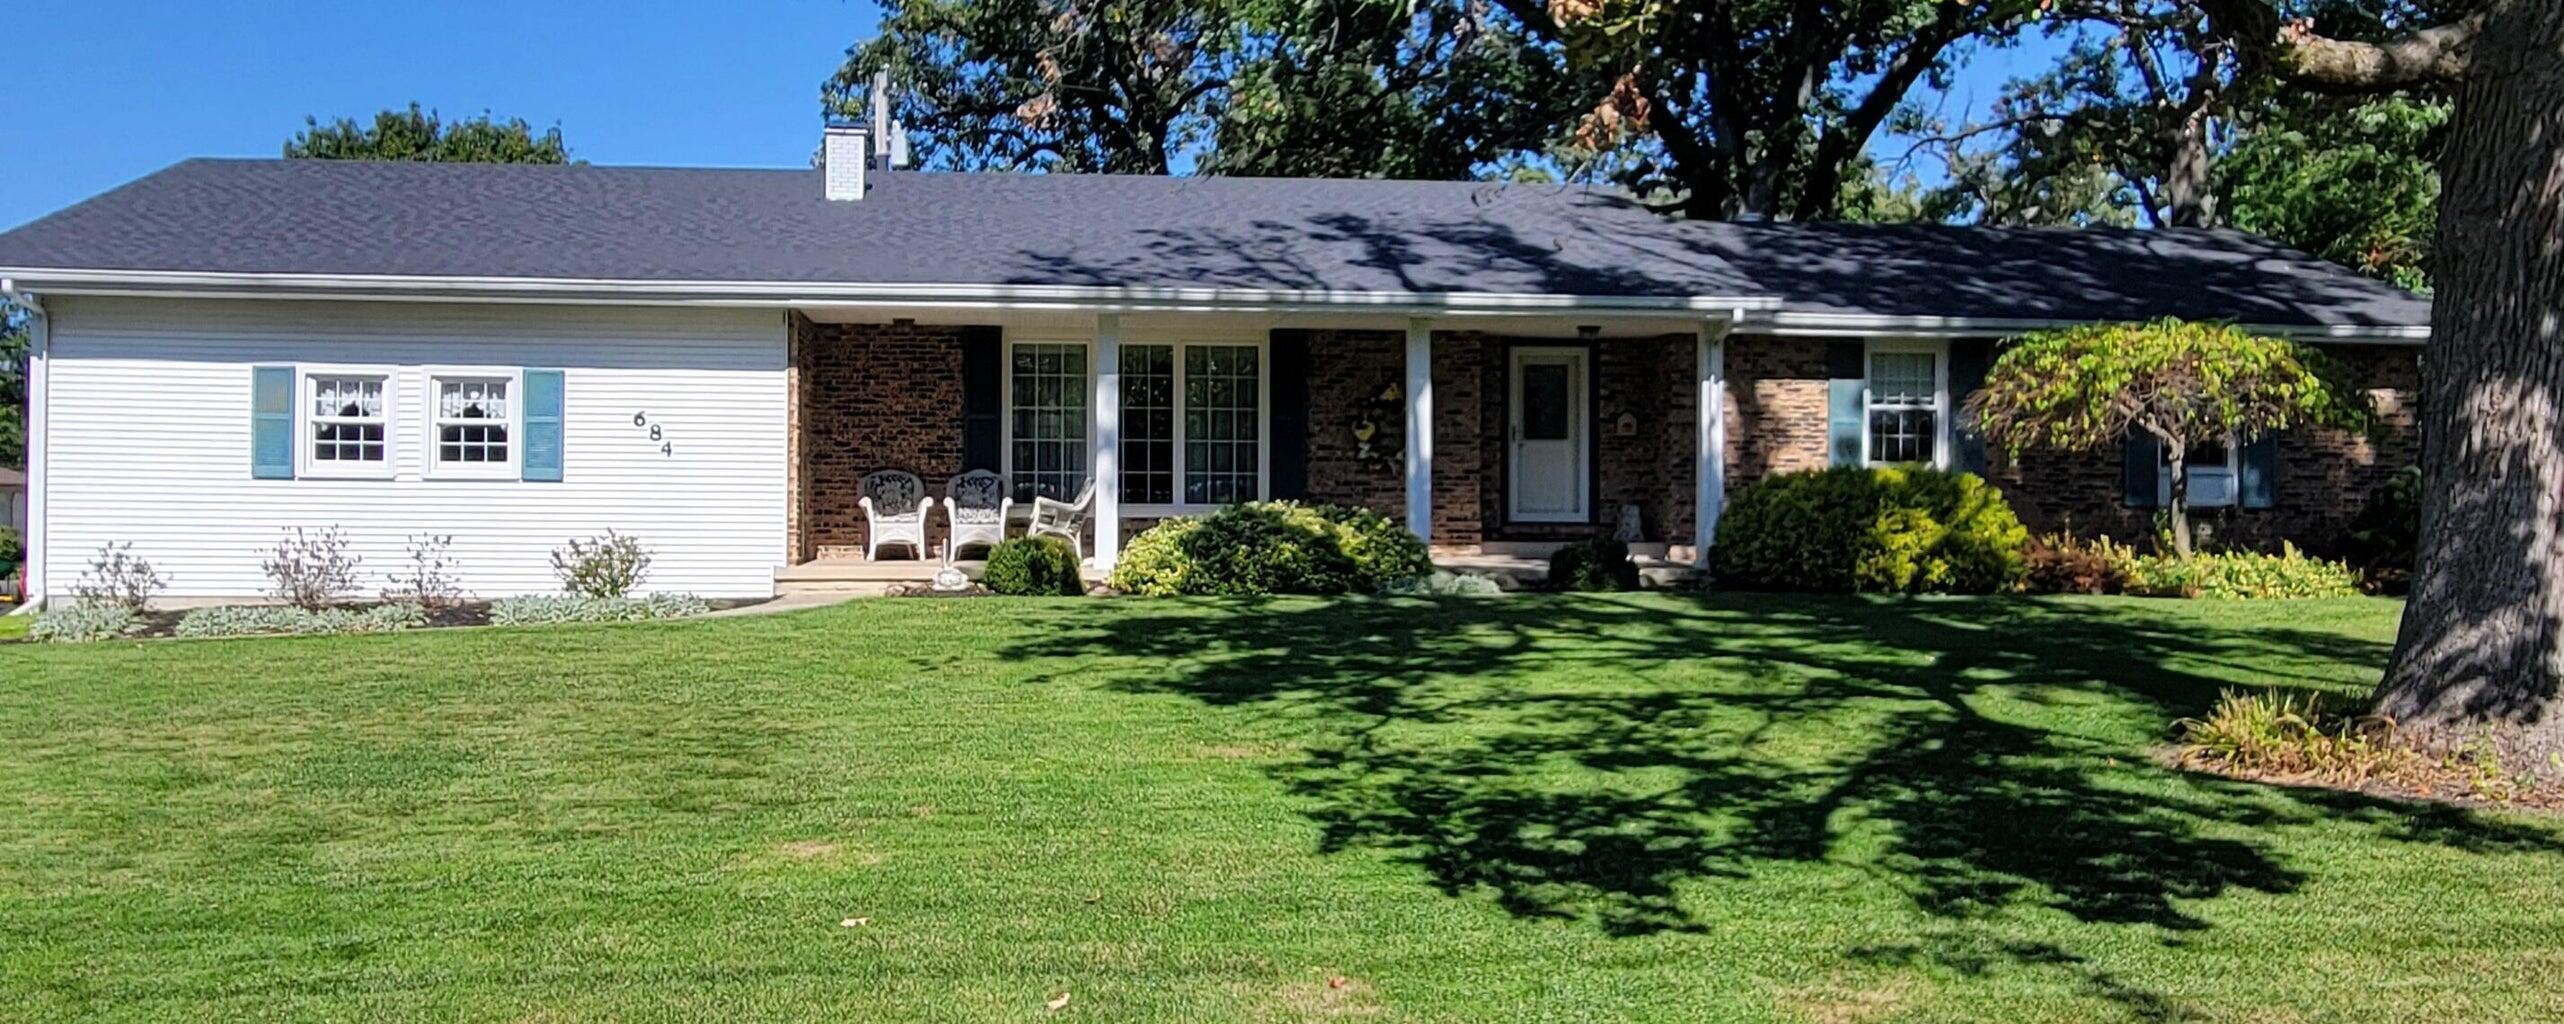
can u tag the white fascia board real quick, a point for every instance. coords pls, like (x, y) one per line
(787, 294)
(1783, 322)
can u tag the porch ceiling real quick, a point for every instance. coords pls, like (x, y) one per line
(1081, 322)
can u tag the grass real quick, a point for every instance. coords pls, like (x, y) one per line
(1734, 808)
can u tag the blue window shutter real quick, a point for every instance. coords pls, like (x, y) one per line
(2141, 473)
(271, 422)
(2259, 470)
(543, 435)
(1847, 363)
(1843, 420)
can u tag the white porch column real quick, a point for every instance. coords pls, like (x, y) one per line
(1709, 438)
(1420, 427)
(1107, 463)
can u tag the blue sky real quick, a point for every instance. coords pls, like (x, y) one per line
(100, 92)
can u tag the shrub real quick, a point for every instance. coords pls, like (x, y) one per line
(13, 546)
(285, 619)
(311, 570)
(2282, 734)
(2062, 563)
(1033, 567)
(608, 566)
(84, 621)
(1443, 584)
(2242, 575)
(1600, 565)
(1899, 530)
(1271, 547)
(427, 579)
(1384, 552)
(118, 577)
(548, 609)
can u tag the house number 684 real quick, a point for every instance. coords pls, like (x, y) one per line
(666, 447)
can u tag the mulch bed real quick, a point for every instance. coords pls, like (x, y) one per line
(2426, 779)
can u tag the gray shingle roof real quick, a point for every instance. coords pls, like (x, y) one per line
(686, 224)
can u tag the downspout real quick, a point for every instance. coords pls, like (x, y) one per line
(39, 338)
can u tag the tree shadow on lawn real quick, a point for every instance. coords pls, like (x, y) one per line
(1587, 757)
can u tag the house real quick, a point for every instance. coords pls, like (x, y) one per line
(711, 359)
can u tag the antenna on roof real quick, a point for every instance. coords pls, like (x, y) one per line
(890, 140)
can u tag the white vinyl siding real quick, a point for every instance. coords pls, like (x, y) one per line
(151, 421)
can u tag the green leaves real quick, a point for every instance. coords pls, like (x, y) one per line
(2083, 388)
(415, 134)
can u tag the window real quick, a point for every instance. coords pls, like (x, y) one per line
(1904, 406)
(1192, 424)
(347, 422)
(473, 421)
(1046, 411)
(2213, 474)
(1223, 424)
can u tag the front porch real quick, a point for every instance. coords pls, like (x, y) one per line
(1512, 565)
(1489, 437)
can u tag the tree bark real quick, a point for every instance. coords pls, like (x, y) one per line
(2482, 643)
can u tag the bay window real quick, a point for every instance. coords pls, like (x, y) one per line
(1047, 420)
(1193, 429)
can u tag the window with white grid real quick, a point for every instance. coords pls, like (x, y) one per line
(347, 421)
(1223, 424)
(1046, 410)
(1148, 424)
(1904, 407)
(475, 417)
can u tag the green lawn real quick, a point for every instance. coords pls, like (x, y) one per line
(1734, 808)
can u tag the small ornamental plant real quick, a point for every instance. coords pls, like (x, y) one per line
(311, 569)
(607, 566)
(118, 577)
(2186, 385)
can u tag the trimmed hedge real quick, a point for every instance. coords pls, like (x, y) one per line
(1042, 566)
(550, 609)
(1271, 547)
(1896, 530)
(268, 620)
(1600, 565)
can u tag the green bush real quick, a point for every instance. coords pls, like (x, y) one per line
(2242, 575)
(550, 609)
(2062, 563)
(1897, 530)
(1033, 567)
(13, 547)
(2385, 538)
(258, 620)
(1600, 565)
(1271, 547)
(81, 622)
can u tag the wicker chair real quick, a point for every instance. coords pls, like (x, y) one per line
(1064, 518)
(895, 508)
(975, 509)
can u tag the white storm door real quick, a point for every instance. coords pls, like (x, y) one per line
(1549, 437)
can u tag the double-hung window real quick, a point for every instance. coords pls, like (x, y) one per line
(1905, 407)
(1046, 407)
(474, 425)
(347, 423)
(1192, 423)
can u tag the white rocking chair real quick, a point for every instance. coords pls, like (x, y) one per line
(895, 508)
(1064, 518)
(975, 509)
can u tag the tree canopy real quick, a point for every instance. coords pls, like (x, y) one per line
(2183, 384)
(416, 134)
(13, 385)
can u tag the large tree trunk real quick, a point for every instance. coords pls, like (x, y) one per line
(2483, 634)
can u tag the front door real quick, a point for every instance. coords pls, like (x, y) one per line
(1549, 452)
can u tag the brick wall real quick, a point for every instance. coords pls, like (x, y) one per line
(1775, 407)
(872, 397)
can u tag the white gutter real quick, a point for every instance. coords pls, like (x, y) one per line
(792, 294)
(1868, 325)
(39, 341)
